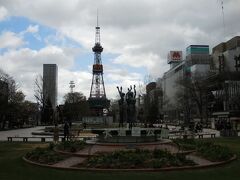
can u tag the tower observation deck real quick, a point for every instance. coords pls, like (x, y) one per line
(97, 99)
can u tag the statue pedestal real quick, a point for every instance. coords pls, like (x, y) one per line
(135, 135)
(136, 131)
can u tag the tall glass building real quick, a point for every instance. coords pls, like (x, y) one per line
(50, 83)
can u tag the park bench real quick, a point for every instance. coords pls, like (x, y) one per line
(184, 136)
(200, 135)
(43, 139)
(25, 139)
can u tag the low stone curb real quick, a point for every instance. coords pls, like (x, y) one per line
(90, 155)
(85, 155)
(125, 144)
(216, 164)
(186, 152)
(73, 153)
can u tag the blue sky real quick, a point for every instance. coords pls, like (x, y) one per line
(47, 35)
(41, 36)
(20, 24)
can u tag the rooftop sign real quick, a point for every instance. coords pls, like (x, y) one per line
(174, 56)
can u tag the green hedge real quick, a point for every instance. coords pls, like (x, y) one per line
(213, 152)
(186, 144)
(44, 155)
(71, 146)
(207, 150)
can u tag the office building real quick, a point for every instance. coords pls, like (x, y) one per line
(50, 83)
(196, 63)
(224, 84)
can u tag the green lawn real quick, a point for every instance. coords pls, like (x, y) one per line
(13, 167)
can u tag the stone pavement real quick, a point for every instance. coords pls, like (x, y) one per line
(198, 160)
(27, 132)
(69, 162)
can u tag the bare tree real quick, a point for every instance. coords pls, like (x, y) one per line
(38, 94)
(183, 104)
(193, 94)
(38, 91)
(75, 106)
(74, 97)
(149, 78)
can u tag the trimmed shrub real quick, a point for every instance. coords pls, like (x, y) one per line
(207, 150)
(44, 155)
(71, 146)
(186, 144)
(213, 152)
(137, 159)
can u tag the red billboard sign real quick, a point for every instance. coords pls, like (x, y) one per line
(174, 56)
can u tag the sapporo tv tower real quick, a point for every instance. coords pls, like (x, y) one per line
(98, 101)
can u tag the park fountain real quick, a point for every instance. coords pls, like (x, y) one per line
(128, 131)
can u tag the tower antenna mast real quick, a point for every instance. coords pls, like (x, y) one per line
(223, 17)
(97, 17)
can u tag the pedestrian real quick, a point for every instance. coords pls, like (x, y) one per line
(84, 125)
(66, 130)
(56, 134)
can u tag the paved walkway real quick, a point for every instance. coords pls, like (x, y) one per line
(26, 132)
(199, 160)
(70, 162)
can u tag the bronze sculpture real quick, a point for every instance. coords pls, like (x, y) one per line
(130, 99)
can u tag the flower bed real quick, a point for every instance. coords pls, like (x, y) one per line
(137, 159)
(71, 146)
(186, 144)
(44, 155)
(207, 150)
(213, 152)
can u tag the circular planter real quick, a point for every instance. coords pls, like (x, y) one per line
(135, 170)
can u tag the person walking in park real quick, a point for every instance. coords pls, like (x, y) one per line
(66, 130)
(56, 134)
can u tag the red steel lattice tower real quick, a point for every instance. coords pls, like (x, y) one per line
(98, 100)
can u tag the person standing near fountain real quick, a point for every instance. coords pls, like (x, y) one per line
(56, 134)
(66, 130)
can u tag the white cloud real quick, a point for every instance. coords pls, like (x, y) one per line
(3, 13)
(137, 60)
(152, 62)
(26, 59)
(82, 82)
(25, 64)
(10, 40)
(148, 26)
(32, 28)
(120, 77)
(140, 32)
(121, 74)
